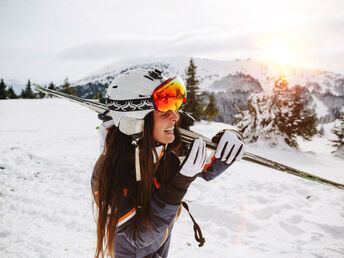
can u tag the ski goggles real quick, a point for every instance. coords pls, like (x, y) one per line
(169, 95)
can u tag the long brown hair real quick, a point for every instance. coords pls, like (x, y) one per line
(115, 171)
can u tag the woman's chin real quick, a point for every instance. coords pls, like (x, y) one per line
(168, 138)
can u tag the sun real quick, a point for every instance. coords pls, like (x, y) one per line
(279, 52)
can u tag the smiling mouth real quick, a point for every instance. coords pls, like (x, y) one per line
(169, 130)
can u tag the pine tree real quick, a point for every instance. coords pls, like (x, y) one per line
(22, 94)
(338, 131)
(66, 88)
(27, 93)
(97, 95)
(11, 94)
(3, 91)
(211, 110)
(280, 115)
(51, 87)
(258, 120)
(193, 104)
(302, 121)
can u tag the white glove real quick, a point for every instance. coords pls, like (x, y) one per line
(230, 148)
(103, 130)
(195, 160)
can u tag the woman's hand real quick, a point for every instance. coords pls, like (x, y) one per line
(230, 148)
(193, 164)
(195, 160)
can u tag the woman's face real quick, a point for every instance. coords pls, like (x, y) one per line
(164, 123)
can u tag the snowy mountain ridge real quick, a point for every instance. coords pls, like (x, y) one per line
(233, 82)
(210, 71)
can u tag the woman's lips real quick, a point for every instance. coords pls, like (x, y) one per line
(169, 130)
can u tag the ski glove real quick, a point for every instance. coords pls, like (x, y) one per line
(195, 159)
(230, 148)
(174, 191)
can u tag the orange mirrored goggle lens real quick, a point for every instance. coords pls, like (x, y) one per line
(170, 95)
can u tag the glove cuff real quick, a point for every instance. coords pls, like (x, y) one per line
(174, 192)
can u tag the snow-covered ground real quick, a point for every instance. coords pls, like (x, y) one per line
(47, 151)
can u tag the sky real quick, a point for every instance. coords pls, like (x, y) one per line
(50, 40)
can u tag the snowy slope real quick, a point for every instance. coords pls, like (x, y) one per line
(47, 152)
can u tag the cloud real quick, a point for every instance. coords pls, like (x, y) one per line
(208, 42)
(115, 47)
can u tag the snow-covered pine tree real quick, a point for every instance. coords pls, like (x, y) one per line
(193, 105)
(276, 116)
(338, 131)
(211, 110)
(302, 121)
(258, 121)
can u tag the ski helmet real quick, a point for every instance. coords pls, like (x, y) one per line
(135, 93)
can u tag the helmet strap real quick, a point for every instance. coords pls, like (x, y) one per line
(132, 126)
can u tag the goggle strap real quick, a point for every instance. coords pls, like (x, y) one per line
(130, 105)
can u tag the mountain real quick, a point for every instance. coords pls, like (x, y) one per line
(233, 81)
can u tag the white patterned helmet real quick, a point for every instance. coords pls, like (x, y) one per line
(135, 93)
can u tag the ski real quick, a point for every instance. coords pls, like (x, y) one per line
(188, 136)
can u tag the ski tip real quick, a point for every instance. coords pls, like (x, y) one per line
(36, 86)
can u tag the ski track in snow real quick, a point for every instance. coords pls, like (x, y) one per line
(47, 152)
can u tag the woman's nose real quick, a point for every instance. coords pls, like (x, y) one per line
(174, 115)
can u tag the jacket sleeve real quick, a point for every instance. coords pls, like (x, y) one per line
(214, 169)
(173, 191)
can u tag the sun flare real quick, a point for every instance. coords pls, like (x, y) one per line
(279, 52)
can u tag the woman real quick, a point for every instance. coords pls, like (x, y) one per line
(138, 181)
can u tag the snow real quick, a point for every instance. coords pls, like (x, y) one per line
(320, 108)
(47, 152)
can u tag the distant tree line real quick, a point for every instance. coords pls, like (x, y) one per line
(7, 92)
